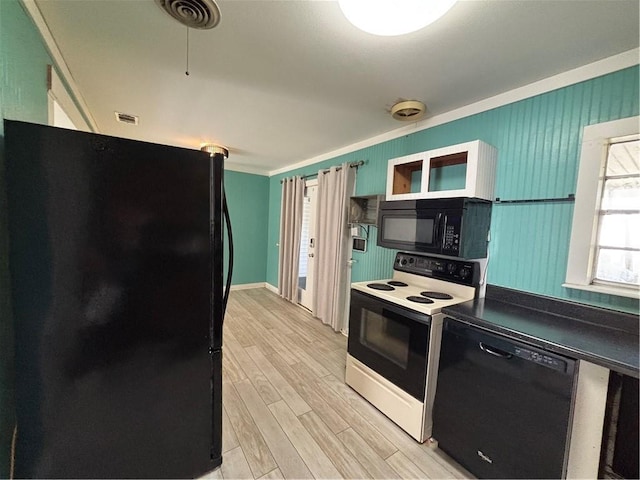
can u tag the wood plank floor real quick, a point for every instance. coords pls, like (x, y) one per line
(287, 412)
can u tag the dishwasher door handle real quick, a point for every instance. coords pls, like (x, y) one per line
(495, 353)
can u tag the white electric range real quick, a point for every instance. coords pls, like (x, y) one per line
(395, 328)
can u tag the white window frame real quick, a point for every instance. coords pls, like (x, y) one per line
(580, 265)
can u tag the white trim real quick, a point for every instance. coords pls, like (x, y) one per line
(595, 141)
(59, 94)
(271, 288)
(312, 182)
(570, 77)
(57, 116)
(248, 286)
(33, 11)
(595, 288)
(587, 422)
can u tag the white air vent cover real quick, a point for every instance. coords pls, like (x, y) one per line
(201, 14)
(126, 118)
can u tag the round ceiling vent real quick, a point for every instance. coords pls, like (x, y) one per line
(408, 110)
(201, 14)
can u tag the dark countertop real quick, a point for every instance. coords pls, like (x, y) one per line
(600, 336)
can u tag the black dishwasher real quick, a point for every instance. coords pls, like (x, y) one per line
(502, 407)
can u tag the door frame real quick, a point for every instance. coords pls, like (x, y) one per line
(305, 296)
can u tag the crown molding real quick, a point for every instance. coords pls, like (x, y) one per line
(570, 77)
(33, 11)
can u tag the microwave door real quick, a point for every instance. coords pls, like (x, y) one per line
(430, 228)
(417, 231)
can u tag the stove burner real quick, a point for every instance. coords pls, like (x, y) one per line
(437, 295)
(380, 286)
(413, 298)
(396, 283)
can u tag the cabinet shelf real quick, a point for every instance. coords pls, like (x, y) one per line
(464, 170)
(363, 210)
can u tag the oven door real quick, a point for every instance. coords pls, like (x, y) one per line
(391, 340)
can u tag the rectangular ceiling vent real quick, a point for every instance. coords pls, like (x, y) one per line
(126, 118)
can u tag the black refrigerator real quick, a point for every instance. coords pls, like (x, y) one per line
(116, 270)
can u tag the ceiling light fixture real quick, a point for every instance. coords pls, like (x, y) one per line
(212, 149)
(408, 110)
(394, 17)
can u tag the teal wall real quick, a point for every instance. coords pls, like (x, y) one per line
(538, 141)
(23, 96)
(247, 198)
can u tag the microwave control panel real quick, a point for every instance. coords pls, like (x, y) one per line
(451, 235)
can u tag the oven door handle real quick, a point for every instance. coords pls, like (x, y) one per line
(362, 300)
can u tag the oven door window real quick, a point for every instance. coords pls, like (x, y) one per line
(391, 340)
(385, 337)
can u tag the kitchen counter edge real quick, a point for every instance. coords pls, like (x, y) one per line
(570, 329)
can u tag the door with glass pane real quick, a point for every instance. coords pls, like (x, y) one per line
(307, 246)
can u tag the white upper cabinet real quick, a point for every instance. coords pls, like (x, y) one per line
(463, 170)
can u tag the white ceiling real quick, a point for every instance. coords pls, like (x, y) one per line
(280, 82)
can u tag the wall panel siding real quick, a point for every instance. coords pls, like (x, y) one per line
(23, 96)
(247, 198)
(538, 141)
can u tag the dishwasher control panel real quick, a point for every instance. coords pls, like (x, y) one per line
(541, 358)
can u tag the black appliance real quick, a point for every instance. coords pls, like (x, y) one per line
(116, 269)
(391, 340)
(457, 227)
(625, 454)
(502, 407)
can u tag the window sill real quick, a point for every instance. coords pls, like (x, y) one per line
(610, 290)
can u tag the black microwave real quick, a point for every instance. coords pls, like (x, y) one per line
(456, 227)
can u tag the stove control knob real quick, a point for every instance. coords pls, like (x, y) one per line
(403, 261)
(411, 259)
(464, 272)
(451, 268)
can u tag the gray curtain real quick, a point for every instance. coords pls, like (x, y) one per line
(335, 186)
(290, 229)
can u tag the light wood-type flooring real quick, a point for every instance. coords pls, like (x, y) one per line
(287, 412)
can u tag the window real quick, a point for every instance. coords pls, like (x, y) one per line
(604, 253)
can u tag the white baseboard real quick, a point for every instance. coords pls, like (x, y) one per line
(247, 286)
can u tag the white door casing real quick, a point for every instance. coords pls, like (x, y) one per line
(307, 245)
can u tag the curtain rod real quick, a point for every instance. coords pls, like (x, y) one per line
(357, 164)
